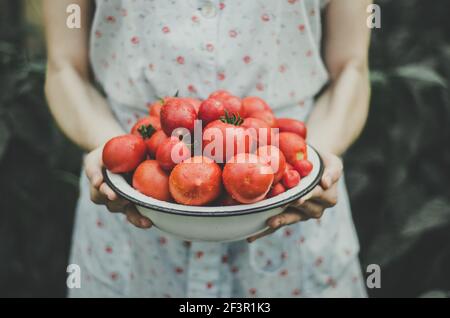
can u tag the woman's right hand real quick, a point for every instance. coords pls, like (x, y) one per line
(102, 194)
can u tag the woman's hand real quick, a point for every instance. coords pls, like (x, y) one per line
(312, 205)
(102, 194)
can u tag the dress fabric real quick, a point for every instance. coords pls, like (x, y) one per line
(143, 49)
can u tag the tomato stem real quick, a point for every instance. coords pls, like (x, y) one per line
(146, 131)
(233, 119)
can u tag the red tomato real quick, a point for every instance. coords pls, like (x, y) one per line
(220, 94)
(222, 140)
(154, 142)
(177, 113)
(194, 102)
(196, 181)
(152, 121)
(232, 104)
(289, 166)
(263, 131)
(293, 146)
(291, 178)
(155, 108)
(292, 125)
(151, 180)
(124, 153)
(275, 158)
(210, 110)
(251, 105)
(303, 167)
(247, 178)
(266, 116)
(276, 190)
(171, 152)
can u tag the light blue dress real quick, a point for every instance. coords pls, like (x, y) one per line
(147, 48)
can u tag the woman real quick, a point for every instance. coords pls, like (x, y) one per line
(142, 49)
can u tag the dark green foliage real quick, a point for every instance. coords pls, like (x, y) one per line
(398, 170)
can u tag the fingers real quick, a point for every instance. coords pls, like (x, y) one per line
(93, 168)
(137, 219)
(262, 234)
(333, 170)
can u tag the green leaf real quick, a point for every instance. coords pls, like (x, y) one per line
(5, 136)
(421, 73)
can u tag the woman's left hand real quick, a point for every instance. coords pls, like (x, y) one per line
(313, 204)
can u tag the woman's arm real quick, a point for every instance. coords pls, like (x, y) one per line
(79, 109)
(341, 111)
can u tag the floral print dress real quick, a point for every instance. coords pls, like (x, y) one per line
(142, 49)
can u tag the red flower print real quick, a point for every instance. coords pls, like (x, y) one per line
(301, 27)
(224, 259)
(296, 292)
(209, 47)
(269, 262)
(283, 255)
(165, 29)
(282, 68)
(247, 59)
(192, 89)
(312, 12)
(123, 12)
(233, 33)
(355, 279)
(292, 1)
(265, 17)
(259, 253)
(287, 232)
(259, 86)
(234, 269)
(221, 6)
(162, 240)
(100, 224)
(98, 34)
(108, 249)
(199, 254)
(301, 103)
(180, 60)
(347, 252)
(331, 282)
(135, 40)
(114, 276)
(309, 53)
(301, 240)
(318, 261)
(284, 273)
(111, 19)
(252, 291)
(194, 19)
(209, 285)
(179, 270)
(220, 76)
(151, 67)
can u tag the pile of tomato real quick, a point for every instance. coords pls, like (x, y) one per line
(161, 157)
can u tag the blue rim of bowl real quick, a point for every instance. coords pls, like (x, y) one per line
(286, 201)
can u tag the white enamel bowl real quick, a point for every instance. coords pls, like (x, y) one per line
(216, 223)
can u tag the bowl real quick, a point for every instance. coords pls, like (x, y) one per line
(215, 223)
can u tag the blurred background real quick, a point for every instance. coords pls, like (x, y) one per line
(397, 172)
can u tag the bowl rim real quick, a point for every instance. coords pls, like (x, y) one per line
(244, 211)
